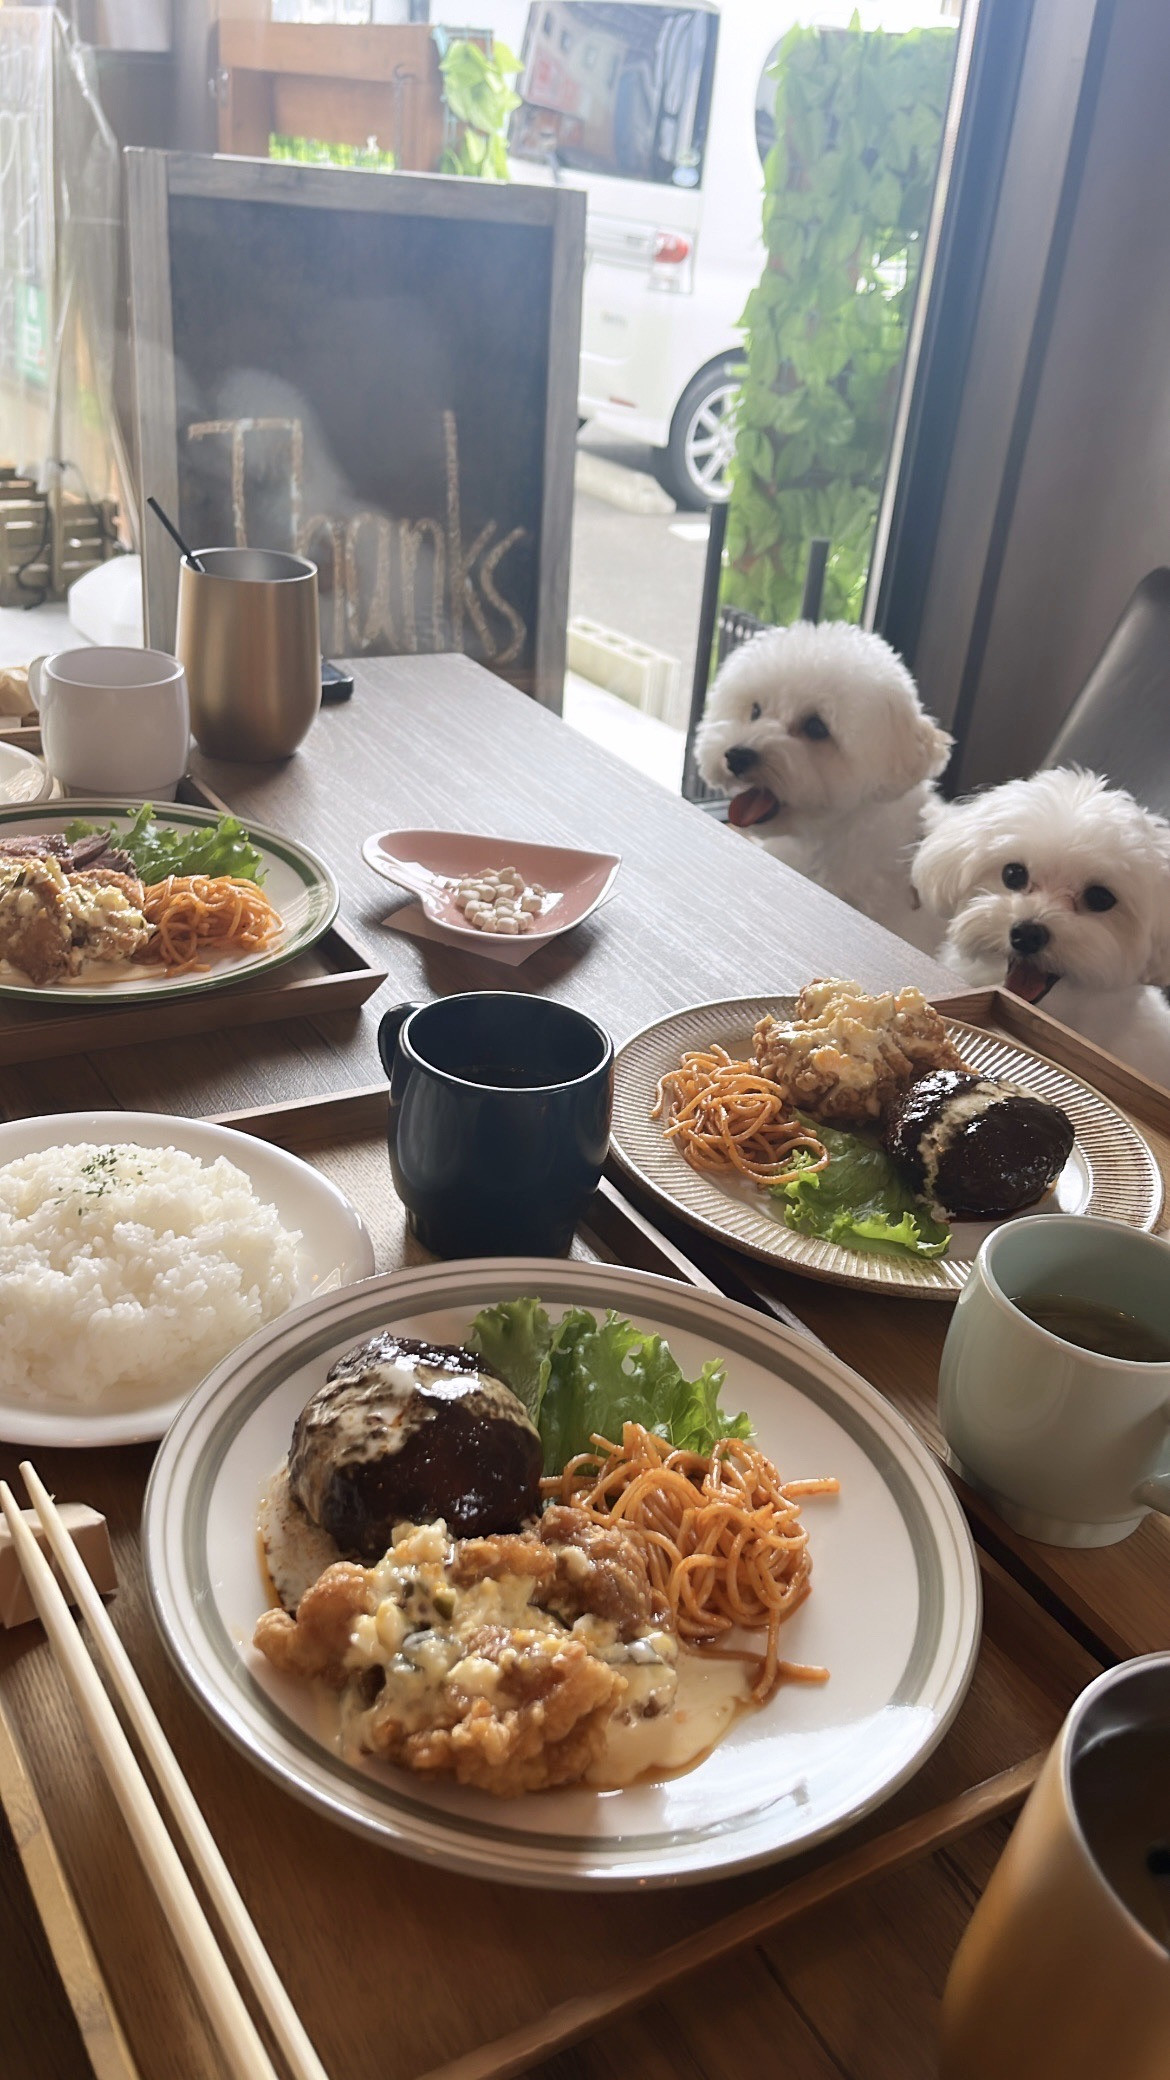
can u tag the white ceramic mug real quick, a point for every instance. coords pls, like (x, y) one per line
(1073, 1448)
(113, 721)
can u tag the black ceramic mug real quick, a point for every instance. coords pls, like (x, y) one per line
(499, 1120)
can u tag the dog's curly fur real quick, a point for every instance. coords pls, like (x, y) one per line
(825, 719)
(1061, 835)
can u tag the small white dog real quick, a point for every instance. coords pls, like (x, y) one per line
(1060, 887)
(818, 732)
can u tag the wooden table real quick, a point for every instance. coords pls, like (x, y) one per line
(849, 1992)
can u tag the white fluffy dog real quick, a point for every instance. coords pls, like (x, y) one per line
(818, 732)
(1060, 887)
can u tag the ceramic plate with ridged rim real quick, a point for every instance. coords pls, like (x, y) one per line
(295, 881)
(899, 1638)
(1110, 1172)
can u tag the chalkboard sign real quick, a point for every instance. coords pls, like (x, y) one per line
(378, 371)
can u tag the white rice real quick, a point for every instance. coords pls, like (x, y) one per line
(128, 1272)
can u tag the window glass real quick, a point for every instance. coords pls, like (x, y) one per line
(612, 88)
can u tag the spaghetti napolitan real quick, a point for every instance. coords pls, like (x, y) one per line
(724, 1116)
(198, 912)
(726, 1544)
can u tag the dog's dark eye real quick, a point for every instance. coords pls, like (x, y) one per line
(813, 727)
(1096, 897)
(1015, 874)
(754, 715)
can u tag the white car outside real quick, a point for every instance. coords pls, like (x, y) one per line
(661, 113)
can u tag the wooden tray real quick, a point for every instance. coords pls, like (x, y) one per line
(333, 975)
(1118, 1596)
(409, 1971)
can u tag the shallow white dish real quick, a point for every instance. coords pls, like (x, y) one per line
(335, 1249)
(894, 1612)
(1111, 1171)
(23, 777)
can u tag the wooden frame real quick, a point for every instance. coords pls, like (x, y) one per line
(154, 178)
(342, 85)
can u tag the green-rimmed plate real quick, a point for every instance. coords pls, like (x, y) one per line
(894, 1611)
(295, 881)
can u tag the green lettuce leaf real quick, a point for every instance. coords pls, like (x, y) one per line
(220, 848)
(516, 1340)
(581, 1378)
(861, 1199)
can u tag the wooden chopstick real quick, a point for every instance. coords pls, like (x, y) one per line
(242, 2047)
(261, 1973)
(77, 1967)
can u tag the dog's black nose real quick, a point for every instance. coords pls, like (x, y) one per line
(741, 758)
(1029, 938)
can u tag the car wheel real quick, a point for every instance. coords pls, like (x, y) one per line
(693, 467)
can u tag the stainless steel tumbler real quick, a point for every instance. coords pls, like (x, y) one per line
(249, 641)
(1064, 1971)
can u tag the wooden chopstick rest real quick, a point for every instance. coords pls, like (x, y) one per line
(90, 1534)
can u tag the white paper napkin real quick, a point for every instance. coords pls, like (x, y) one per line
(490, 946)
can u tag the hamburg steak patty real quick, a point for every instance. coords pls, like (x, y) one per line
(404, 1432)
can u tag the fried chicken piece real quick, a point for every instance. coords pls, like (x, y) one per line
(847, 1057)
(543, 1723)
(581, 1569)
(457, 1657)
(106, 912)
(600, 1571)
(508, 1552)
(36, 934)
(316, 1641)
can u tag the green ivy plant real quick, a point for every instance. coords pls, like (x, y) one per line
(313, 151)
(477, 89)
(848, 186)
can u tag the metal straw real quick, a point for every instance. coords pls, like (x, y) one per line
(175, 536)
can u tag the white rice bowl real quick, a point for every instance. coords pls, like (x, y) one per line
(131, 1270)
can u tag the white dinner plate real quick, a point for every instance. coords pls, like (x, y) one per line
(297, 883)
(1111, 1171)
(23, 776)
(335, 1250)
(894, 1611)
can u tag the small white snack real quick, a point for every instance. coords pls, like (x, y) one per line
(499, 900)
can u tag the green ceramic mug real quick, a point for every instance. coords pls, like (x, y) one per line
(1072, 1447)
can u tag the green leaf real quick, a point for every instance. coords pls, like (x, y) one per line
(861, 1200)
(848, 188)
(222, 848)
(582, 1379)
(516, 1339)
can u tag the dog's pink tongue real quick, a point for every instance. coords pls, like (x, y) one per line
(754, 805)
(1025, 979)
